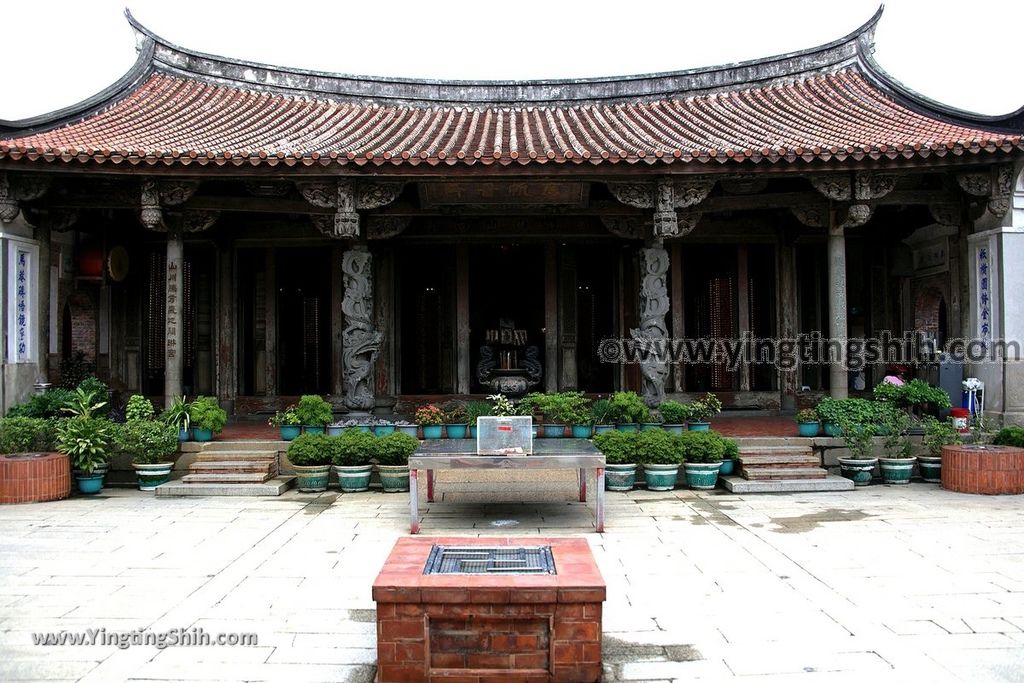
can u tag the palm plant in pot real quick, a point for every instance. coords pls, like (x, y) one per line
(702, 458)
(393, 453)
(674, 415)
(807, 422)
(208, 418)
(455, 426)
(431, 419)
(599, 415)
(86, 441)
(151, 446)
(898, 462)
(620, 451)
(660, 452)
(474, 410)
(314, 413)
(179, 415)
(310, 456)
(352, 453)
(860, 464)
(700, 412)
(937, 433)
(627, 410)
(288, 422)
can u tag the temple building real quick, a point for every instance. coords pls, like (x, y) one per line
(212, 226)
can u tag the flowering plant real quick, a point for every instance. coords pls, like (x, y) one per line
(429, 415)
(502, 405)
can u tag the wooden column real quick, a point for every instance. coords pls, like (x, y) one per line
(743, 307)
(678, 311)
(837, 327)
(462, 350)
(551, 371)
(568, 375)
(271, 324)
(337, 321)
(788, 309)
(175, 307)
(226, 367)
(384, 321)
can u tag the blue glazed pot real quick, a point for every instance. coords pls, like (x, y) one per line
(312, 478)
(674, 429)
(383, 430)
(407, 429)
(858, 470)
(313, 429)
(661, 477)
(184, 435)
(620, 477)
(364, 428)
(332, 430)
(896, 470)
(931, 468)
(699, 426)
(649, 426)
(455, 431)
(432, 431)
(289, 432)
(202, 434)
(353, 478)
(728, 466)
(628, 427)
(89, 483)
(808, 428)
(554, 431)
(701, 475)
(582, 431)
(472, 432)
(601, 429)
(833, 430)
(394, 478)
(151, 476)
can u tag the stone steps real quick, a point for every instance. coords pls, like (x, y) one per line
(267, 468)
(271, 487)
(236, 456)
(758, 474)
(743, 486)
(776, 462)
(227, 478)
(233, 463)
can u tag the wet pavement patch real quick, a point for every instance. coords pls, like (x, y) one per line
(617, 651)
(802, 523)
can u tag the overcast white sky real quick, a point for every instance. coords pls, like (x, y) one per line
(963, 53)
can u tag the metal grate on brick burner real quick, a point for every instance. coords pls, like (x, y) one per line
(476, 559)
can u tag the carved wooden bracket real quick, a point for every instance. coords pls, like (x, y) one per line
(155, 195)
(860, 186)
(665, 196)
(175, 192)
(626, 227)
(197, 220)
(150, 212)
(816, 215)
(945, 213)
(386, 227)
(346, 197)
(995, 183)
(19, 188)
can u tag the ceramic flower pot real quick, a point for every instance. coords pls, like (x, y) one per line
(728, 466)
(896, 470)
(620, 477)
(184, 435)
(353, 478)
(455, 431)
(289, 432)
(601, 429)
(582, 431)
(832, 429)
(383, 430)
(553, 431)
(628, 427)
(472, 431)
(649, 426)
(858, 470)
(931, 468)
(701, 475)
(313, 429)
(394, 478)
(312, 478)
(335, 430)
(411, 430)
(202, 434)
(808, 428)
(698, 426)
(432, 431)
(674, 428)
(89, 483)
(152, 475)
(661, 477)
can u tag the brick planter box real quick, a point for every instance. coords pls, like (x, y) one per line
(983, 469)
(34, 477)
(473, 628)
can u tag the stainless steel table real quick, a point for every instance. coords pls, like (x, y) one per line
(548, 454)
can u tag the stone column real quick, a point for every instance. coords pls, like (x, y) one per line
(43, 319)
(226, 365)
(361, 341)
(174, 343)
(837, 328)
(789, 379)
(743, 307)
(653, 331)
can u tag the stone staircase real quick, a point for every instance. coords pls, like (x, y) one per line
(781, 465)
(226, 468)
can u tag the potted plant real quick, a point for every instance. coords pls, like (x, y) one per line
(834, 413)
(860, 464)
(404, 427)
(729, 456)
(627, 410)
(621, 457)
(936, 435)
(599, 415)
(898, 462)
(455, 422)
(352, 453)
(393, 453)
(86, 442)
(702, 459)
(700, 412)
(660, 452)
(288, 422)
(179, 415)
(475, 409)
(151, 446)
(208, 418)
(310, 456)
(828, 413)
(653, 421)
(138, 408)
(915, 396)
(25, 435)
(431, 419)
(314, 413)
(674, 415)
(383, 427)
(807, 422)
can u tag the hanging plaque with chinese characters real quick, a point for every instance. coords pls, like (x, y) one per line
(21, 303)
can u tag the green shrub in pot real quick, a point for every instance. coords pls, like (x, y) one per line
(620, 450)
(151, 444)
(207, 417)
(310, 455)
(352, 454)
(393, 453)
(660, 452)
(314, 412)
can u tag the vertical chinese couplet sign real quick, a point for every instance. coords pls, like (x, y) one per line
(21, 303)
(172, 309)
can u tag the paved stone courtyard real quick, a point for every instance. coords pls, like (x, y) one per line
(881, 584)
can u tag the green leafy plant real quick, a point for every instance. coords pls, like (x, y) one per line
(1010, 436)
(206, 413)
(285, 418)
(178, 414)
(983, 429)
(599, 411)
(502, 406)
(475, 409)
(86, 442)
(702, 446)
(429, 415)
(619, 448)
(83, 404)
(100, 391)
(626, 407)
(353, 448)
(658, 447)
(855, 411)
(939, 433)
(732, 449)
(567, 407)
(395, 449)
(147, 442)
(50, 403)
(455, 414)
(313, 410)
(138, 408)
(702, 409)
(311, 450)
(914, 395)
(895, 442)
(807, 415)
(25, 434)
(858, 436)
(673, 412)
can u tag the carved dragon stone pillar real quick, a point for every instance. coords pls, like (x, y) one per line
(652, 334)
(360, 340)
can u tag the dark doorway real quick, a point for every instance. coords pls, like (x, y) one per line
(303, 321)
(596, 277)
(426, 285)
(710, 286)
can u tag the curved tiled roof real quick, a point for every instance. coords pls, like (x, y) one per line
(179, 108)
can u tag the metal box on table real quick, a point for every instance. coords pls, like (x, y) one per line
(504, 435)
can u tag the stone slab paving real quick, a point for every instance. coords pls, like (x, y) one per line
(881, 584)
